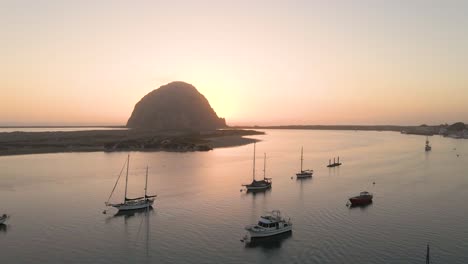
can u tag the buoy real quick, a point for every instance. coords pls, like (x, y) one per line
(104, 212)
(373, 183)
(240, 190)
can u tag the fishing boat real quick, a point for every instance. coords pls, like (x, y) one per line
(334, 164)
(363, 198)
(304, 173)
(145, 201)
(428, 146)
(3, 218)
(262, 184)
(269, 225)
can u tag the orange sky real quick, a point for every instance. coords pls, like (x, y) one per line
(266, 63)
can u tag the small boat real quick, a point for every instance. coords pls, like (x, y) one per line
(334, 164)
(269, 225)
(132, 203)
(428, 146)
(262, 184)
(3, 218)
(304, 173)
(363, 198)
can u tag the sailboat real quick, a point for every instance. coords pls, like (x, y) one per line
(132, 203)
(262, 184)
(304, 173)
(427, 147)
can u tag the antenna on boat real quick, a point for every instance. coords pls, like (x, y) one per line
(264, 165)
(126, 177)
(334, 161)
(338, 159)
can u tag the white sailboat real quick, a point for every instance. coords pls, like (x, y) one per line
(262, 184)
(132, 203)
(304, 173)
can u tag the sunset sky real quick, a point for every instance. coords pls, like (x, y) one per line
(257, 62)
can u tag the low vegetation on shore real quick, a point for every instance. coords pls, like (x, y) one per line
(15, 143)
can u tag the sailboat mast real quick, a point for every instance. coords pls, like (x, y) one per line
(146, 181)
(126, 177)
(302, 156)
(253, 173)
(264, 165)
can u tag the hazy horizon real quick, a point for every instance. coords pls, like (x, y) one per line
(262, 63)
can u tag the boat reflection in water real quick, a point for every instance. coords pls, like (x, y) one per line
(3, 228)
(273, 242)
(362, 206)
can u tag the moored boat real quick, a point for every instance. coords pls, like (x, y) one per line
(145, 201)
(428, 146)
(334, 164)
(261, 184)
(304, 173)
(269, 225)
(363, 198)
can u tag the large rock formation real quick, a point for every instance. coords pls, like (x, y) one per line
(175, 106)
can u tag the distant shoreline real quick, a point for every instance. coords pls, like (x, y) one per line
(419, 130)
(22, 143)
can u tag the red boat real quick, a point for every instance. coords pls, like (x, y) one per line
(362, 199)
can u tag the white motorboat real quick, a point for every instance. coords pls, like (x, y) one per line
(269, 225)
(132, 203)
(262, 184)
(3, 218)
(304, 173)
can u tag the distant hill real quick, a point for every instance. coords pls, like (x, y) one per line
(175, 106)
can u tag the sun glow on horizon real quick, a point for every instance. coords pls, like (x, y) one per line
(266, 63)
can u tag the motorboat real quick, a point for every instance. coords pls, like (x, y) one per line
(363, 198)
(269, 225)
(304, 173)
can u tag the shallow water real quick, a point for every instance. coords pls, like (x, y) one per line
(56, 203)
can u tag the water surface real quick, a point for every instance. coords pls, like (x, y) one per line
(56, 202)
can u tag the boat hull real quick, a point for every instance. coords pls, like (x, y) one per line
(304, 175)
(134, 205)
(269, 232)
(360, 201)
(258, 188)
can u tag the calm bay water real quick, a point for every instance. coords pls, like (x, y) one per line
(56, 202)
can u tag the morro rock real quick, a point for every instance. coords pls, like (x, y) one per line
(175, 106)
